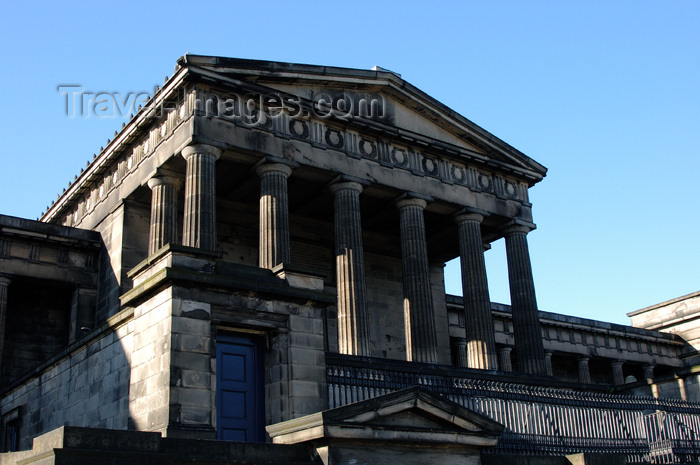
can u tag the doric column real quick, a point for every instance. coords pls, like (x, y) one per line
(4, 286)
(274, 215)
(461, 352)
(617, 373)
(163, 212)
(504, 362)
(199, 229)
(526, 322)
(481, 344)
(419, 317)
(584, 374)
(548, 364)
(648, 372)
(353, 320)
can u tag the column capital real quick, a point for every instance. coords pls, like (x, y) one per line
(470, 214)
(616, 363)
(201, 149)
(5, 281)
(281, 168)
(411, 202)
(462, 217)
(159, 180)
(346, 185)
(648, 371)
(518, 226)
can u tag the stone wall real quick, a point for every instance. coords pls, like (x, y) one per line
(85, 385)
(295, 366)
(149, 396)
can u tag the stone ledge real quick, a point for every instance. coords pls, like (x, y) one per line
(226, 276)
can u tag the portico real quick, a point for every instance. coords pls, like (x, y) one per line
(343, 203)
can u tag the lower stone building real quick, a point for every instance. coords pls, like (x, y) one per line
(251, 271)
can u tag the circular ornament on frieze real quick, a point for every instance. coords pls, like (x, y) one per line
(250, 116)
(299, 128)
(399, 156)
(368, 148)
(509, 188)
(334, 138)
(485, 182)
(430, 166)
(458, 174)
(265, 121)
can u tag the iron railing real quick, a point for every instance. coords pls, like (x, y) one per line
(538, 420)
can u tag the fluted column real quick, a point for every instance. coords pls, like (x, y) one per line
(461, 352)
(4, 286)
(617, 373)
(274, 215)
(504, 362)
(548, 364)
(526, 322)
(353, 320)
(163, 228)
(584, 374)
(419, 317)
(199, 228)
(481, 344)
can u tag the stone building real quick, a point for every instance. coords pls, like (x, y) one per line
(257, 256)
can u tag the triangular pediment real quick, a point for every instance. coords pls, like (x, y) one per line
(412, 408)
(418, 415)
(407, 113)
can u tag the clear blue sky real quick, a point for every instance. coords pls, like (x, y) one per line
(605, 94)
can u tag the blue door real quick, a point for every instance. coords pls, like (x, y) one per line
(240, 407)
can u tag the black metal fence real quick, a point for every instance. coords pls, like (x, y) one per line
(538, 420)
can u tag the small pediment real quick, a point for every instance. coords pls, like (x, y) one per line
(410, 415)
(413, 408)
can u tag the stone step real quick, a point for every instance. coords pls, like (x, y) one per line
(87, 446)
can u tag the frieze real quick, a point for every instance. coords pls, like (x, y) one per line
(402, 157)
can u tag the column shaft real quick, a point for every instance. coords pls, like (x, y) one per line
(584, 374)
(481, 344)
(419, 317)
(526, 322)
(617, 373)
(353, 318)
(461, 352)
(274, 215)
(199, 228)
(548, 364)
(163, 212)
(504, 362)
